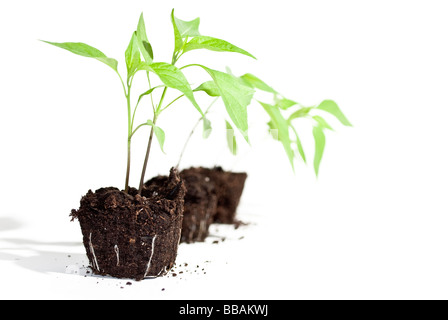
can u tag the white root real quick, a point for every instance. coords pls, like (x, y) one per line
(162, 271)
(117, 252)
(180, 236)
(203, 226)
(192, 230)
(95, 261)
(152, 254)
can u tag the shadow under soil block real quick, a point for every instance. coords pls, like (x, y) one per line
(132, 236)
(229, 187)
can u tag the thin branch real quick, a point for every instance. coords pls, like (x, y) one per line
(169, 104)
(193, 131)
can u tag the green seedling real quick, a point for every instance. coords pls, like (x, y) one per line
(283, 113)
(286, 131)
(139, 57)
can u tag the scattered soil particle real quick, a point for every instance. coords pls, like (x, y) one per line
(239, 223)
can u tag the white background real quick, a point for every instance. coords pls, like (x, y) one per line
(372, 226)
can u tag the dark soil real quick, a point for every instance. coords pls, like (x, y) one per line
(200, 204)
(229, 187)
(132, 236)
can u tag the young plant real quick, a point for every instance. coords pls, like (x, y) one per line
(282, 125)
(139, 56)
(283, 112)
(286, 132)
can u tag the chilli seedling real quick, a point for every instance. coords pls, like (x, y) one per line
(139, 56)
(283, 113)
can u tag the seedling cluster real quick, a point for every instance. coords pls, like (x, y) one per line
(136, 233)
(236, 92)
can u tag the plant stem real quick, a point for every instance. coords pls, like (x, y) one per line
(157, 112)
(186, 142)
(148, 150)
(128, 167)
(192, 132)
(128, 164)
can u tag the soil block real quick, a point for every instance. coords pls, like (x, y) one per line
(229, 187)
(201, 203)
(132, 236)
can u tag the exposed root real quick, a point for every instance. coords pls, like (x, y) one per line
(152, 254)
(95, 261)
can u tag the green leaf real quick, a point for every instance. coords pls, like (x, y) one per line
(256, 83)
(231, 139)
(147, 92)
(284, 103)
(172, 77)
(279, 123)
(207, 125)
(331, 107)
(187, 28)
(214, 44)
(302, 112)
(160, 134)
(319, 139)
(178, 41)
(322, 123)
(143, 42)
(236, 96)
(299, 145)
(132, 55)
(273, 131)
(85, 50)
(210, 88)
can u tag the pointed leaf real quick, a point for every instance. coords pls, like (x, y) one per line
(319, 139)
(160, 134)
(132, 55)
(331, 107)
(147, 92)
(273, 130)
(284, 103)
(209, 88)
(214, 44)
(187, 28)
(143, 42)
(257, 83)
(236, 96)
(85, 50)
(231, 139)
(302, 112)
(322, 123)
(207, 125)
(299, 146)
(178, 41)
(280, 123)
(172, 77)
